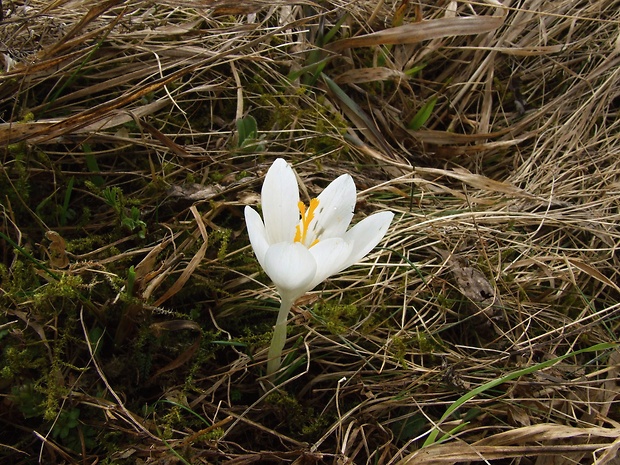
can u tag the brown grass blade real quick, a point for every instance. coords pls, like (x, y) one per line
(192, 265)
(477, 181)
(369, 75)
(425, 30)
(592, 271)
(610, 455)
(514, 443)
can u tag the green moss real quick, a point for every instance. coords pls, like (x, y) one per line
(204, 355)
(18, 361)
(286, 403)
(338, 318)
(143, 347)
(399, 349)
(257, 339)
(54, 386)
(403, 347)
(169, 421)
(50, 299)
(18, 148)
(87, 244)
(158, 185)
(190, 177)
(28, 117)
(297, 418)
(212, 435)
(221, 237)
(427, 343)
(216, 176)
(85, 218)
(315, 427)
(114, 251)
(54, 391)
(16, 184)
(17, 283)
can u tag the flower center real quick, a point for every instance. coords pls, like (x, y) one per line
(307, 215)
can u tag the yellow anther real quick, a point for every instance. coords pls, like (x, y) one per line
(307, 215)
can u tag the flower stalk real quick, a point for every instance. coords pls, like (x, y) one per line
(274, 356)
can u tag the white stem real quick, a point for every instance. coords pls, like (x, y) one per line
(274, 356)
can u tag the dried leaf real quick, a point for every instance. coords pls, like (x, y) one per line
(472, 283)
(478, 181)
(57, 250)
(174, 325)
(194, 192)
(424, 30)
(165, 140)
(611, 455)
(593, 272)
(513, 443)
(518, 415)
(369, 75)
(145, 269)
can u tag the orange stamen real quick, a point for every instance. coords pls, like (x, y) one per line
(307, 215)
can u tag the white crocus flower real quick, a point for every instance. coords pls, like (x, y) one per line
(299, 247)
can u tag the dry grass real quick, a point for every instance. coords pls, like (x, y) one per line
(135, 320)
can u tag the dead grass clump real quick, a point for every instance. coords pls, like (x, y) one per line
(135, 319)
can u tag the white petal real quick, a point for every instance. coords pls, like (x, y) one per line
(291, 267)
(257, 233)
(335, 210)
(330, 256)
(366, 234)
(280, 199)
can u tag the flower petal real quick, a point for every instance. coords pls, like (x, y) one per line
(280, 199)
(257, 233)
(335, 210)
(330, 256)
(291, 267)
(366, 234)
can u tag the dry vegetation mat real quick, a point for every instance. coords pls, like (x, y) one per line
(135, 319)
